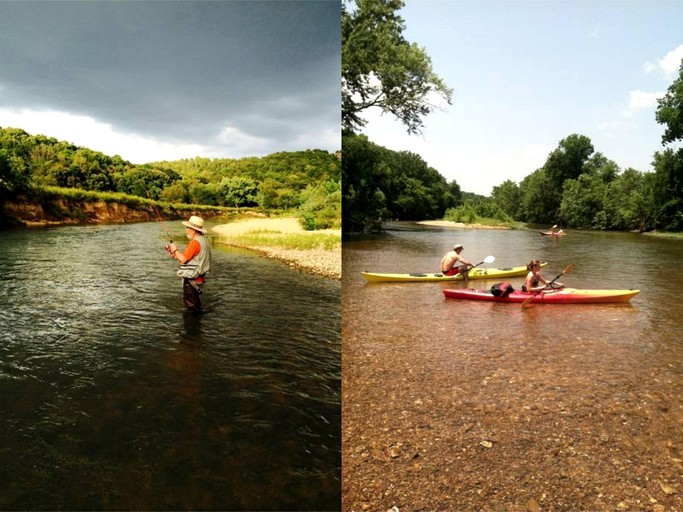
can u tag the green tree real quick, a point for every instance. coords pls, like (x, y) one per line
(268, 193)
(321, 206)
(583, 198)
(178, 192)
(364, 175)
(539, 198)
(667, 195)
(380, 68)
(12, 180)
(508, 197)
(566, 162)
(670, 110)
(625, 203)
(237, 191)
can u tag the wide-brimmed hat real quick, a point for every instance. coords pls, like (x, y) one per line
(196, 223)
(457, 246)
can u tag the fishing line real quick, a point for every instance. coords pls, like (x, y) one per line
(164, 228)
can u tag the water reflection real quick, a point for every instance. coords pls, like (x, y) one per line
(112, 398)
(192, 329)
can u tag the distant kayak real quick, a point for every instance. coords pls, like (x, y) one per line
(475, 273)
(562, 296)
(552, 233)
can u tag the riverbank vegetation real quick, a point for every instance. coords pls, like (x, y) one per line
(303, 183)
(577, 187)
(283, 238)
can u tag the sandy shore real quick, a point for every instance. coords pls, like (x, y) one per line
(451, 224)
(315, 261)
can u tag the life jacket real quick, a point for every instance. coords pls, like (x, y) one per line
(200, 264)
(502, 289)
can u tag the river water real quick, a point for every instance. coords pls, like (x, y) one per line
(111, 397)
(608, 378)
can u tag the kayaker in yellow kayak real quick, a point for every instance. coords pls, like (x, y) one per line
(534, 279)
(452, 263)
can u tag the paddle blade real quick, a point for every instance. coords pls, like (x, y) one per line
(567, 269)
(489, 259)
(527, 301)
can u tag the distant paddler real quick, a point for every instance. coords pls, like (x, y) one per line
(195, 262)
(452, 263)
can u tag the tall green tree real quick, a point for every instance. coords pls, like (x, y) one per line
(364, 176)
(670, 110)
(539, 198)
(583, 198)
(567, 161)
(668, 164)
(508, 196)
(380, 68)
(626, 202)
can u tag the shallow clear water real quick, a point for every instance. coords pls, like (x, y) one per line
(423, 369)
(111, 397)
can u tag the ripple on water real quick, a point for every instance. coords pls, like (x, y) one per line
(105, 377)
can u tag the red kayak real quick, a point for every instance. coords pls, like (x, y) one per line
(561, 296)
(552, 233)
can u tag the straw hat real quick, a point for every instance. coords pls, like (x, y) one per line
(196, 223)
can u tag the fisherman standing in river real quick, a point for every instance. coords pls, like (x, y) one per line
(195, 262)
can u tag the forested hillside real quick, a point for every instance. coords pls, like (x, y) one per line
(306, 181)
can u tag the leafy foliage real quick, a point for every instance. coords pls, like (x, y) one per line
(380, 68)
(379, 184)
(277, 181)
(670, 110)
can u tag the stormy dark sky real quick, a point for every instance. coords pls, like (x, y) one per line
(164, 80)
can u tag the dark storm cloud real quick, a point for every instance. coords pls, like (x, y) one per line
(178, 71)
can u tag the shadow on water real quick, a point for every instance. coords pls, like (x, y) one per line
(192, 329)
(111, 397)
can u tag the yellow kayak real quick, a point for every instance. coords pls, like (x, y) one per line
(475, 273)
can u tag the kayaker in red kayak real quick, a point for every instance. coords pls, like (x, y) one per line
(452, 263)
(534, 279)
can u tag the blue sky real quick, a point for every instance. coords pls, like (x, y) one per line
(525, 75)
(155, 80)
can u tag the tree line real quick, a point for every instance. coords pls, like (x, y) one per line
(306, 181)
(576, 187)
(581, 188)
(380, 184)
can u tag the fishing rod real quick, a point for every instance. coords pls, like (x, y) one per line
(161, 219)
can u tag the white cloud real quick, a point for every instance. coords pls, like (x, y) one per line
(671, 62)
(639, 100)
(86, 131)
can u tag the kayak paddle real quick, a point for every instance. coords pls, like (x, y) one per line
(488, 259)
(565, 271)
